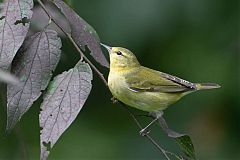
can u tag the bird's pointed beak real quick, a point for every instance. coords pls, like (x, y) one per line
(107, 47)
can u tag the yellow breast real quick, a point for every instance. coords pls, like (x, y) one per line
(146, 101)
(116, 84)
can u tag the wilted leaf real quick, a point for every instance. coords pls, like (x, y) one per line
(63, 101)
(33, 65)
(40, 19)
(14, 25)
(8, 78)
(82, 33)
(183, 140)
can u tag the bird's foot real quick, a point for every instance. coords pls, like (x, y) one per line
(114, 100)
(144, 132)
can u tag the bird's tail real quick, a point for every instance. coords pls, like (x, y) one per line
(202, 86)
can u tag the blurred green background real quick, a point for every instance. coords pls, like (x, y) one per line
(195, 40)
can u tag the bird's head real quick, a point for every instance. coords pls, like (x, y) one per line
(121, 58)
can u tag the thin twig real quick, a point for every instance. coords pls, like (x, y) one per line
(147, 134)
(177, 156)
(73, 42)
(101, 76)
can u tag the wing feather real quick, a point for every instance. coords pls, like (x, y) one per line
(148, 80)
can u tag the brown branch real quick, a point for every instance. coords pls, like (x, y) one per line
(147, 134)
(102, 77)
(73, 42)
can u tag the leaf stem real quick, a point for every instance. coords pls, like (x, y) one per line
(73, 42)
(101, 76)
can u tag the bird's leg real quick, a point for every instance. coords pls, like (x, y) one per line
(156, 116)
(145, 130)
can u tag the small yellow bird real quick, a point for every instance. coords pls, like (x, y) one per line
(144, 88)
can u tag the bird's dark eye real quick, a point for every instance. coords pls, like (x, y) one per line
(119, 53)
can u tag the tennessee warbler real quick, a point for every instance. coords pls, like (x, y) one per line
(144, 88)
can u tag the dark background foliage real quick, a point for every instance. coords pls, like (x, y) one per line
(195, 40)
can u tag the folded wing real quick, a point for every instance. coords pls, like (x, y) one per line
(148, 80)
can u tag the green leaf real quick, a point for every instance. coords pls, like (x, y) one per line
(33, 65)
(186, 145)
(14, 24)
(63, 101)
(82, 33)
(183, 140)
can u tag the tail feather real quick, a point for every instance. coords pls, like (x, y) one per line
(202, 86)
